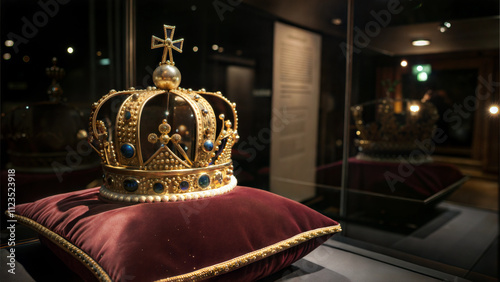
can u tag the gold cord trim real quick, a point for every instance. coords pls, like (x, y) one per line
(201, 274)
(246, 259)
(64, 244)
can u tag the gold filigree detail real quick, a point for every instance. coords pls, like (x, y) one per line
(168, 44)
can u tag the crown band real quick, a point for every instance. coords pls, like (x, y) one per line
(127, 184)
(114, 196)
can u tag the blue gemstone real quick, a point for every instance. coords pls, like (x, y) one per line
(204, 181)
(184, 185)
(130, 185)
(128, 115)
(208, 146)
(127, 150)
(158, 187)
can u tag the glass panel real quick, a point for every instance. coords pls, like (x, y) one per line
(418, 114)
(181, 116)
(422, 151)
(86, 39)
(180, 120)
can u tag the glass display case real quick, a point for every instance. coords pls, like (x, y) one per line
(382, 115)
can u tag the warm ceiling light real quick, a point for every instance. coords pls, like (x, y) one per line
(421, 42)
(493, 110)
(414, 108)
(337, 21)
(404, 63)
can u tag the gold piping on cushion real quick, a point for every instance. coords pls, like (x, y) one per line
(246, 259)
(64, 244)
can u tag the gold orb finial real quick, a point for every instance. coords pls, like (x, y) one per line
(167, 77)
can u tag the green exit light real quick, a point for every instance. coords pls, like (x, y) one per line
(422, 76)
(421, 72)
(416, 69)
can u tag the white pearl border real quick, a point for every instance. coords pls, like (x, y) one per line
(131, 198)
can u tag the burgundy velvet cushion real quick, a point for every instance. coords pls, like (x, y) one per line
(401, 179)
(244, 235)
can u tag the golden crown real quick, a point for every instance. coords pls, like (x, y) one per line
(387, 128)
(164, 143)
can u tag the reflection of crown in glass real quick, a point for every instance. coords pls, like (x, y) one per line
(388, 128)
(43, 137)
(165, 144)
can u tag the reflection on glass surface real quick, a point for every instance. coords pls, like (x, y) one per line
(424, 56)
(183, 122)
(388, 128)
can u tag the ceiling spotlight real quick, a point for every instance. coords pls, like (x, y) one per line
(414, 108)
(444, 26)
(404, 63)
(70, 50)
(215, 47)
(421, 42)
(493, 110)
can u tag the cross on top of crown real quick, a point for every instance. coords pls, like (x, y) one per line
(168, 43)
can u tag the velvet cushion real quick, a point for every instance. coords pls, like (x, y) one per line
(244, 235)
